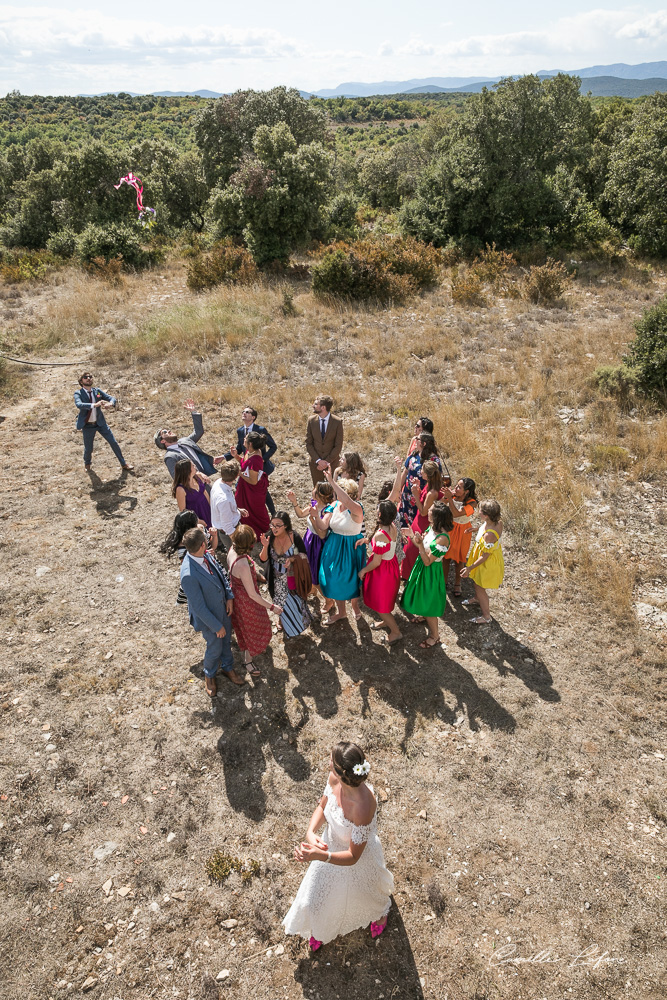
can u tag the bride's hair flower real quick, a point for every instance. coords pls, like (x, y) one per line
(362, 769)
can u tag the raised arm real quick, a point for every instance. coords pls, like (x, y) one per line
(346, 502)
(299, 511)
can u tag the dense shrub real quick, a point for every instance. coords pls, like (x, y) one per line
(62, 243)
(545, 283)
(390, 267)
(647, 357)
(112, 240)
(226, 263)
(25, 265)
(466, 287)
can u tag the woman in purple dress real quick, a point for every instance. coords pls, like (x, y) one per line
(321, 499)
(192, 495)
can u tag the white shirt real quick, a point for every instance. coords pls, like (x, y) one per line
(92, 419)
(199, 559)
(224, 512)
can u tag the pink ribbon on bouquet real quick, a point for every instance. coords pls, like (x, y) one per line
(134, 182)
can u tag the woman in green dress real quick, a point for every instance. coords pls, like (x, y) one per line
(425, 593)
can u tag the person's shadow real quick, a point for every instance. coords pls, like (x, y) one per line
(251, 734)
(316, 677)
(508, 655)
(108, 497)
(356, 967)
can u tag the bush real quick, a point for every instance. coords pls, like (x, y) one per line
(466, 287)
(616, 380)
(109, 270)
(112, 240)
(545, 283)
(609, 457)
(389, 267)
(497, 268)
(62, 243)
(226, 263)
(25, 265)
(647, 357)
(341, 217)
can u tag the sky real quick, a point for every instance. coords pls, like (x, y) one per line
(70, 47)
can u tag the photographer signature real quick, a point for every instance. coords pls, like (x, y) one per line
(590, 958)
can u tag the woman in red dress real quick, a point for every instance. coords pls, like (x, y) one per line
(424, 499)
(250, 619)
(253, 484)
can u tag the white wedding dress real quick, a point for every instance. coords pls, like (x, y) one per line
(336, 899)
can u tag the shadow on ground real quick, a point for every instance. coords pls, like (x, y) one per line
(356, 967)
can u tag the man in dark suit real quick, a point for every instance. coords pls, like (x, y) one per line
(91, 404)
(187, 447)
(210, 603)
(249, 417)
(324, 438)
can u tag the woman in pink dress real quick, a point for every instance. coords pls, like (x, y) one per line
(250, 619)
(253, 484)
(380, 575)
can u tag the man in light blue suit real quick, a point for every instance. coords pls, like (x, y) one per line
(91, 404)
(210, 602)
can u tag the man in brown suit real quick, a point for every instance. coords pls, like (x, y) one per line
(324, 438)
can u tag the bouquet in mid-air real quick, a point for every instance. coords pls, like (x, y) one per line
(146, 215)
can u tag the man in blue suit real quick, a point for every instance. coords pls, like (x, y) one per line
(91, 404)
(210, 603)
(249, 416)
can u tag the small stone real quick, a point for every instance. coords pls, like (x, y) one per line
(124, 891)
(108, 886)
(280, 950)
(88, 984)
(67, 827)
(105, 851)
(49, 828)
(155, 907)
(422, 814)
(222, 975)
(382, 795)
(170, 837)
(50, 747)
(109, 655)
(41, 571)
(229, 924)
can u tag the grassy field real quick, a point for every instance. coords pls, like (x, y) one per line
(520, 767)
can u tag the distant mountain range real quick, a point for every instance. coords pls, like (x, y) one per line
(616, 80)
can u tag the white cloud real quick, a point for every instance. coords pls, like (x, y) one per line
(49, 50)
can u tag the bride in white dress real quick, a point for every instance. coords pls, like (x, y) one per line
(347, 886)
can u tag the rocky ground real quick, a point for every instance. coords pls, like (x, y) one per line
(520, 768)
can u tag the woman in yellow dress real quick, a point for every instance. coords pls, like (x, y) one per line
(486, 566)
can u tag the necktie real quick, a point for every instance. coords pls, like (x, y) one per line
(208, 566)
(322, 428)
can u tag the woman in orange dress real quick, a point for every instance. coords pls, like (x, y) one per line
(462, 502)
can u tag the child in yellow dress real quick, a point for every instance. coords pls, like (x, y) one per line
(486, 566)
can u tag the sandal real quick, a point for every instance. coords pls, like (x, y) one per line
(456, 592)
(386, 641)
(481, 620)
(468, 601)
(255, 672)
(429, 642)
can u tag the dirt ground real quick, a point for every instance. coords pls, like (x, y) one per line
(520, 767)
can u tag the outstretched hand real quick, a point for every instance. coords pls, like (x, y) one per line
(264, 539)
(190, 404)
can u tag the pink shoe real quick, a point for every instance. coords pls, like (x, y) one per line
(314, 944)
(376, 929)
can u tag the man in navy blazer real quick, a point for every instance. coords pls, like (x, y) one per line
(210, 603)
(249, 416)
(187, 447)
(91, 403)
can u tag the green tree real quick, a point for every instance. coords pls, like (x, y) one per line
(274, 198)
(636, 190)
(491, 174)
(225, 129)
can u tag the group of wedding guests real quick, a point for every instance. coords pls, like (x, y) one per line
(423, 531)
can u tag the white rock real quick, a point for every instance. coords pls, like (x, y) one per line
(42, 570)
(222, 975)
(105, 851)
(170, 837)
(50, 747)
(280, 950)
(154, 907)
(67, 827)
(229, 924)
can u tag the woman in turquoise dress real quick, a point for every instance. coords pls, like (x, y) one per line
(425, 593)
(341, 559)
